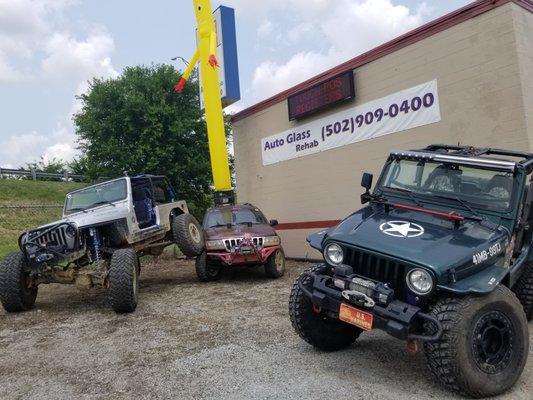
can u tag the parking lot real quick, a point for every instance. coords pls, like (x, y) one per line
(230, 339)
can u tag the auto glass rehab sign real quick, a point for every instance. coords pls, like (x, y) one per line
(397, 112)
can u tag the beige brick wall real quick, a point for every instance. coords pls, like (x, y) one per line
(476, 65)
(523, 22)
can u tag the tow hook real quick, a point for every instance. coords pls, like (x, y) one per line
(358, 298)
(413, 346)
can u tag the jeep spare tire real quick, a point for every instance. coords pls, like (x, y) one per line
(188, 235)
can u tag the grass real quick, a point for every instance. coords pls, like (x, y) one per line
(24, 192)
(14, 191)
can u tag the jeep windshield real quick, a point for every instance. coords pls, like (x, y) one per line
(465, 186)
(97, 195)
(233, 216)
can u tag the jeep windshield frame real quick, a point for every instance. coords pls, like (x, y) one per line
(489, 186)
(101, 194)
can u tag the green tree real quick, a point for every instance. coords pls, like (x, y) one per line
(53, 166)
(137, 124)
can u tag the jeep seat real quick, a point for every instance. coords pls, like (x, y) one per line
(442, 179)
(143, 207)
(500, 187)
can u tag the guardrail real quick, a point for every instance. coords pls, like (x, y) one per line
(34, 174)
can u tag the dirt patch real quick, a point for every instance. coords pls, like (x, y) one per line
(230, 339)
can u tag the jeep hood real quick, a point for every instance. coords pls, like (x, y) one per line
(94, 216)
(238, 231)
(417, 238)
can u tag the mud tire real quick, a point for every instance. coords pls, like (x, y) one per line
(316, 329)
(524, 291)
(124, 281)
(275, 265)
(117, 234)
(464, 360)
(205, 270)
(14, 293)
(188, 235)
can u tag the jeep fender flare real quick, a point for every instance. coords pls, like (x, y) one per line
(481, 283)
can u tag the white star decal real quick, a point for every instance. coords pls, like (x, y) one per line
(401, 229)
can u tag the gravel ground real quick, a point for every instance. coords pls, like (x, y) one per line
(225, 340)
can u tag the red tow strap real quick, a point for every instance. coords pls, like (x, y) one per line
(452, 215)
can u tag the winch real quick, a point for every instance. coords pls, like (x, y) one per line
(361, 291)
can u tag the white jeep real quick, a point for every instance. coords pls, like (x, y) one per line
(104, 230)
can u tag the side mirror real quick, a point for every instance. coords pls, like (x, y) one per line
(366, 180)
(273, 222)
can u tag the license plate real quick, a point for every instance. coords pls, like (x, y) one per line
(356, 317)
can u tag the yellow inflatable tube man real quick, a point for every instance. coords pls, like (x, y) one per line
(206, 55)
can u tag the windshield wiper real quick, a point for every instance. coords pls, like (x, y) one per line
(220, 226)
(463, 203)
(104, 202)
(401, 190)
(77, 209)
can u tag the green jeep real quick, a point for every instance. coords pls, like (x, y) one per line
(441, 255)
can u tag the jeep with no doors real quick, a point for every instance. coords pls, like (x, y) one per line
(440, 257)
(239, 235)
(104, 230)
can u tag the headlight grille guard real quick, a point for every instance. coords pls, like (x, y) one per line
(60, 231)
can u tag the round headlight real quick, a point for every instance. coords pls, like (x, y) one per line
(333, 254)
(70, 231)
(420, 281)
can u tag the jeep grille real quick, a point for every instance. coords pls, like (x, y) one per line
(378, 268)
(56, 237)
(232, 244)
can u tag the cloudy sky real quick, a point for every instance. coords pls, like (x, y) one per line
(50, 48)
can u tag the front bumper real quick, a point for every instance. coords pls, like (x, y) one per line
(399, 319)
(241, 256)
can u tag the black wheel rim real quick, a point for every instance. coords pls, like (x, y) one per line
(212, 270)
(492, 344)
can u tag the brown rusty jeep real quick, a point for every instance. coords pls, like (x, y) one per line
(239, 235)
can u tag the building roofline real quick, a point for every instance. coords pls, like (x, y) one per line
(429, 29)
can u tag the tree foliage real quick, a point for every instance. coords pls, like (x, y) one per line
(137, 124)
(53, 166)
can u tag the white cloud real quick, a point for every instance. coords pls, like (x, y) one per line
(253, 9)
(271, 77)
(69, 58)
(36, 41)
(265, 29)
(63, 145)
(31, 28)
(299, 31)
(349, 28)
(22, 18)
(24, 24)
(17, 150)
(7, 72)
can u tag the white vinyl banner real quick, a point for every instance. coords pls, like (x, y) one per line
(397, 112)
